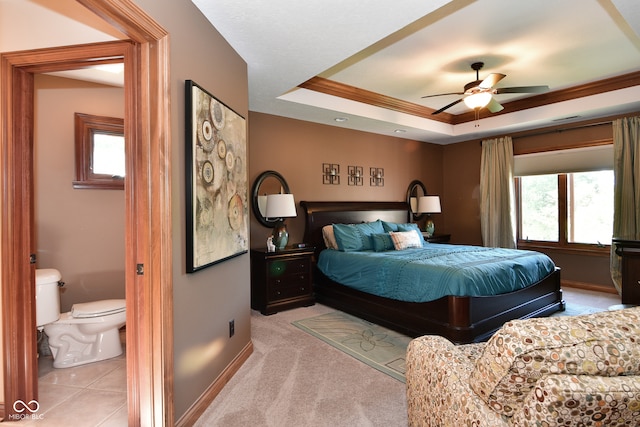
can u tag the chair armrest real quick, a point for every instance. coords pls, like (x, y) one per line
(582, 399)
(438, 391)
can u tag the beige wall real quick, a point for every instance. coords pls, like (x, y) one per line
(204, 301)
(297, 150)
(78, 232)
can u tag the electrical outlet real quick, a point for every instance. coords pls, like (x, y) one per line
(232, 327)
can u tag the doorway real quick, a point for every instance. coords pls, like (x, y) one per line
(148, 210)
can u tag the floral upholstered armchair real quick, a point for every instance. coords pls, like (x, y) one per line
(555, 371)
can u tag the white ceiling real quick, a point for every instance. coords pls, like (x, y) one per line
(410, 48)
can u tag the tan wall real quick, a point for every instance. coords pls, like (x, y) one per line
(462, 205)
(297, 150)
(78, 232)
(204, 301)
(461, 201)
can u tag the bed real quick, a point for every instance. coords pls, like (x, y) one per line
(461, 319)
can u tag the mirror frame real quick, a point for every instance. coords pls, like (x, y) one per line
(255, 192)
(415, 184)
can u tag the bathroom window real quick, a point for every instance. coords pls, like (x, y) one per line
(100, 158)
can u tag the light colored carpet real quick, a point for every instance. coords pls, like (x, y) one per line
(295, 379)
(378, 347)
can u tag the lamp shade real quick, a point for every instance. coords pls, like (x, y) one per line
(429, 204)
(280, 206)
(478, 100)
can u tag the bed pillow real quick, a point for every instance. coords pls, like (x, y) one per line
(382, 242)
(406, 239)
(329, 238)
(389, 226)
(409, 226)
(355, 237)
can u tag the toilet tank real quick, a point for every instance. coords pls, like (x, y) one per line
(47, 296)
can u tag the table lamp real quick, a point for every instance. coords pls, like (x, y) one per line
(429, 205)
(280, 206)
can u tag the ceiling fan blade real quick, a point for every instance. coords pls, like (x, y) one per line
(447, 106)
(491, 80)
(522, 89)
(494, 106)
(442, 94)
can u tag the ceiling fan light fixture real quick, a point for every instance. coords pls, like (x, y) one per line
(478, 100)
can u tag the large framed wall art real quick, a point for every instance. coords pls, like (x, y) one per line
(216, 180)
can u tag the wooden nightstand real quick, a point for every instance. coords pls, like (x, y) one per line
(629, 250)
(281, 280)
(436, 238)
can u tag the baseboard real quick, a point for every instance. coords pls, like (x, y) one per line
(197, 409)
(588, 286)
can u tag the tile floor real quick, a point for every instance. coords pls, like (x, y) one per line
(95, 394)
(84, 396)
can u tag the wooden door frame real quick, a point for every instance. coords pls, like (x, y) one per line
(148, 258)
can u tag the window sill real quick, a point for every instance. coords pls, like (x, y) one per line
(586, 250)
(100, 185)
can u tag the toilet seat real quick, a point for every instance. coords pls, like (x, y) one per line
(87, 310)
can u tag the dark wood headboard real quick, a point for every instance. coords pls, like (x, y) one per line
(319, 214)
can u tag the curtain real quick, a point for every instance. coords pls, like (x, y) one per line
(626, 196)
(497, 197)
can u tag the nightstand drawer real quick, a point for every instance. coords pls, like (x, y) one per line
(288, 279)
(285, 290)
(281, 268)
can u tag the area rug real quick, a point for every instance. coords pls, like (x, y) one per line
(379, 347)
(576, 310)
(374, 345)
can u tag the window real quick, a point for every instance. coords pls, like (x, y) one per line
(100, 152)
(569, 210)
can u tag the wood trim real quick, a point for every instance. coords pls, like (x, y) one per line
(197, 409)
(580, 91)
(85, 125)
(149, 241)
(330, 87)
(333, 88)
(594, 143)
(17, 244)
(148, 209)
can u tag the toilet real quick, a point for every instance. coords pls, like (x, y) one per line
(88, 333)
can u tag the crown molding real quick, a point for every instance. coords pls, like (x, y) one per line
(341, 90)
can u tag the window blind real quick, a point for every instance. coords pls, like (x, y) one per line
(584, 159)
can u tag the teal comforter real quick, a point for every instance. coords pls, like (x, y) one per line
(429, 273)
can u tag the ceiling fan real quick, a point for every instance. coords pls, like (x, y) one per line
(479, 93)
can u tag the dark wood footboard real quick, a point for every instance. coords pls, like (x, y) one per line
(459, 319)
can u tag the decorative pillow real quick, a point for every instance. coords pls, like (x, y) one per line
(382, 242)
(355, 237)
(522, 351)
(406, 239)
(329, 238)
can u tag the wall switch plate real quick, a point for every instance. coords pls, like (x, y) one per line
(232, 327)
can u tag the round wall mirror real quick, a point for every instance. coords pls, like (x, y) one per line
(414, 192)
(268, 182)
